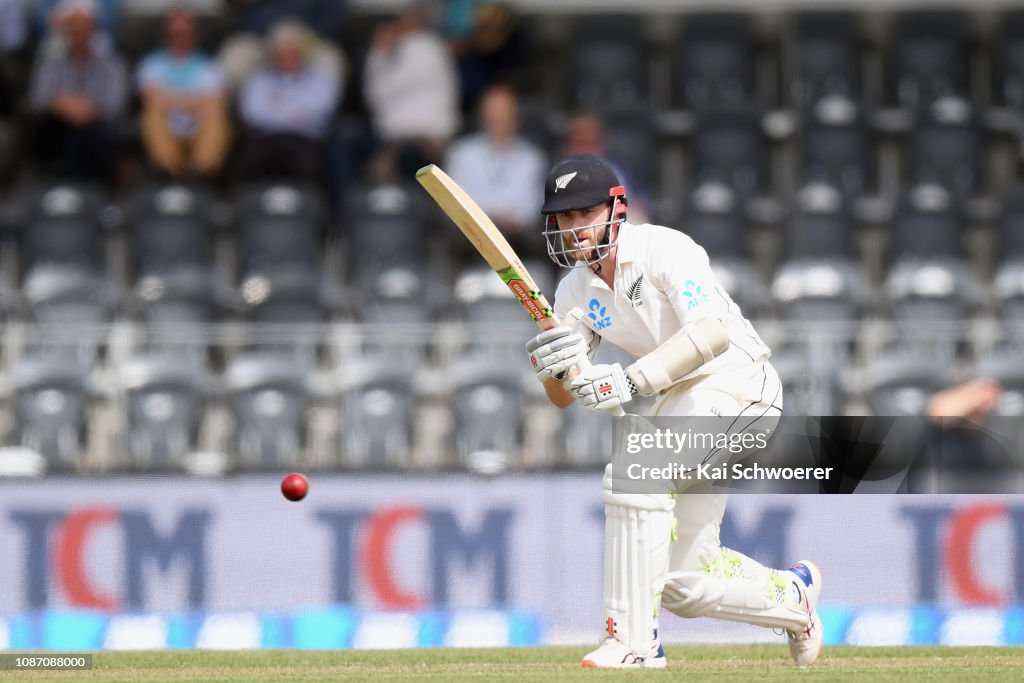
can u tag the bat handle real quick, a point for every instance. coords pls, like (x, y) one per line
(584, 365)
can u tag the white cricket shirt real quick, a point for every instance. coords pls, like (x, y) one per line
(662, 280)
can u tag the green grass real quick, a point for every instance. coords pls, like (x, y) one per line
(760, 663)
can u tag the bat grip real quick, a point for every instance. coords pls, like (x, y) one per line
(585, 365)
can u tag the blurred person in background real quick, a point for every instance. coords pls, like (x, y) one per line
(286, 107)
(487, 42)
(78, 99)
(50, 36)
(184, 114)
(412, 89)
(13, 39)
(502, 171)
(587, 134)
(244, 51)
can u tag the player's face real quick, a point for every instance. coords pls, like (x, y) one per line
(586, 229)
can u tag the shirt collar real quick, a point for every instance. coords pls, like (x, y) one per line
(626, 245)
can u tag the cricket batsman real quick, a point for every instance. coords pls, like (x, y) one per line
(650, 290)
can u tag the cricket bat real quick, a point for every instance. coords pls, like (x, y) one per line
(488, 240)
(492, 245)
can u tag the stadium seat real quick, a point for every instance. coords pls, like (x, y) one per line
(172, 229)
(609, 67)
(165, 403)
(730, 148)
(487, 405)
(1008, 280)
(385, 230)
(9, 147)
(69, 307)
(1008, 62)
(948, 154)
(714, 64)
(377, 410)
(51, 404)
(172, 244)
(632, 147)
(268, 397)
(820, 278)
(826, 76)
(279, 225)
(929, 282)
(399, 294)
(929, 58)
(61, 227)
(810, 380)
(285, 307)
(840, 155)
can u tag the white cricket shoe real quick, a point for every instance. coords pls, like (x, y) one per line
(613, 654)
(805, 646)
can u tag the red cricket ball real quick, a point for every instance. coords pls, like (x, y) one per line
(294, 486)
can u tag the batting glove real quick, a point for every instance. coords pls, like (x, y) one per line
(556, 351)
(602, 388)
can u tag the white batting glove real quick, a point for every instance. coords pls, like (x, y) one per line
(602, 388)
(556, 351)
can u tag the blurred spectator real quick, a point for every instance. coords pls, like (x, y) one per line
(488, 45)
(243, 52)
(50, 13)
(286, 107)
(502, 171)
(78, 98)
(184, 114)
(971, 400)
(13, 38)
(587, 135)
(411, 88)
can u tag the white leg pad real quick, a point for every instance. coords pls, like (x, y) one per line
(638, 532)
(763, 599)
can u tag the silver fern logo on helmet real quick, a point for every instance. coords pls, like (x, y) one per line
(562, 181)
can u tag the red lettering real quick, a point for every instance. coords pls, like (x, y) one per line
(959, 552)
(69, 560)
(380, 527)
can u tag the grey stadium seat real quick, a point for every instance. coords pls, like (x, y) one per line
(609, 67)
(487, 404)
(51, 402)
(61, 227)
(827, 61)
(165, 401)
(279, 224)
(714, 64)
(377, 411)
(268, 397)
(928, 58)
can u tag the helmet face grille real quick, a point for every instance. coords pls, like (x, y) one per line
(563, 255)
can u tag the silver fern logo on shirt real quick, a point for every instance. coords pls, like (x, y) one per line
(635, 292)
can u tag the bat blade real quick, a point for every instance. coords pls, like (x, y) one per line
(480, 230)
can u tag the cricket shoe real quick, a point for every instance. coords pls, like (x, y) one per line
(613, 654)
(805, 645)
